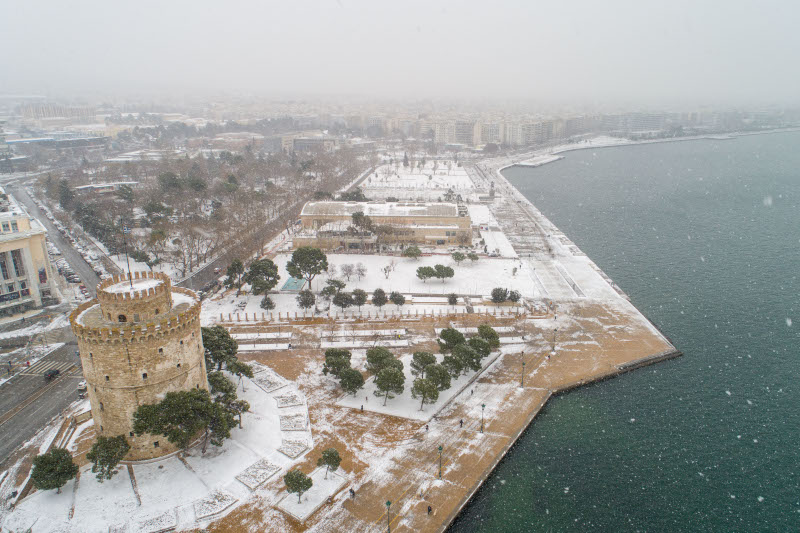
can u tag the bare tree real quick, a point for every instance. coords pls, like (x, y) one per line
(347, 271)
(361, 271)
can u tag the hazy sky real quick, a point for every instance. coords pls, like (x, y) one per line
(642, 51)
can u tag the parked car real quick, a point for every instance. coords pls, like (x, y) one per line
(52, 374)
(82, 386)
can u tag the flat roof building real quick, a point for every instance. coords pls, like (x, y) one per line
(329, 224)
(25, 271)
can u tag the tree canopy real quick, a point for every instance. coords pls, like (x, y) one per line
(351, 380)
(443, 272)
(379, 298)
(453, 365)
(306, 263)
(182, 415)
(397, 299)
(378, 358)
(306, 299)
(267, 303)
(449, 338)
(234, 273)
(297, 483)
(359, 298)
(480, 345)
(336, 360)
(412, 251)
(262, 276)
(426, 390)
(389, 382)
(53, 469)
(420, 361)
(105, 455)
(343, 300)
(220, 346)
(499, 295)
(425, 273)
(469, 358)
(487, 332)
(330, 460)
(439, 376)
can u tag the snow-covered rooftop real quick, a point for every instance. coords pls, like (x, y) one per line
(133, 285)
(381, 209)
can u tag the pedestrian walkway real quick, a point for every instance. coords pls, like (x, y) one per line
(39, 368)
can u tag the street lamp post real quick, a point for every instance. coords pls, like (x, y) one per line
(440, 461)
(483, 406)
(388, 520)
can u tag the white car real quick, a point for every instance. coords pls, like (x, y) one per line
(82, 386)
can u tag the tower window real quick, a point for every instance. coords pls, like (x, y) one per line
(131, 433)
(122, 318)
(156, 311)
(181, 343)
(155, 444)
(136, 317)
(101, 406)
(144, 376)
(179, 365)
(106, 378)
(161, 350)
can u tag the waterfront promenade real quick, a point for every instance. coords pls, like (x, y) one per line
(596, 332)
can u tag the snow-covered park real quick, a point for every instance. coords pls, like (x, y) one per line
(404, 405)
(415, 182)
(475, 279)
(183, 492)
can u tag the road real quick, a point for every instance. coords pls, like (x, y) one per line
(204, 276)
(76, 261)
(28, 402)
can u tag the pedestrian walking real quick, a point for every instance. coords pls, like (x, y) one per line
(461, 422)
(471, 392)
(352, 494)
(362, 408)
(426, 427)
(430, 509)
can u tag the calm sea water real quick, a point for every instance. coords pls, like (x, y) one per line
(705, 238)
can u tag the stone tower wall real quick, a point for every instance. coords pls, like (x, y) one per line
(137, 364)
(135, 306)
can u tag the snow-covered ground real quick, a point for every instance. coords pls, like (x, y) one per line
(193, 490)
(311, 500)
(540, 160)
(477, 279)
(403, 405)
(425, 184)
(481, 215)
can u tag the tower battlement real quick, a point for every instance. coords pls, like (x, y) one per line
(136, 297)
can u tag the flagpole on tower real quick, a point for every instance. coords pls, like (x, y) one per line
(125, 231)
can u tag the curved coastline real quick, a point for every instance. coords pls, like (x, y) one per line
(550, 155)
